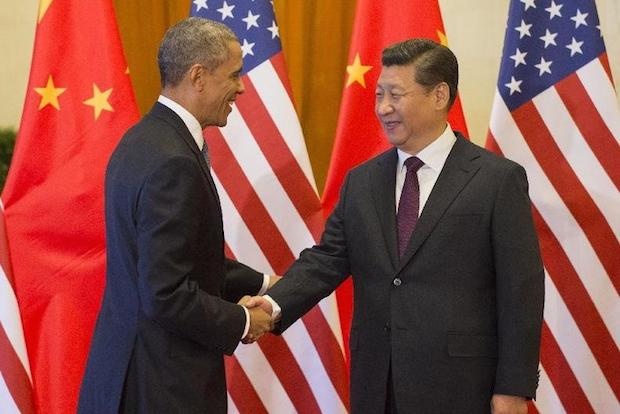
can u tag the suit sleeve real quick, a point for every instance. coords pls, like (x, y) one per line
(317, 272)
(520, 287)
(240, 280)
(171, 199)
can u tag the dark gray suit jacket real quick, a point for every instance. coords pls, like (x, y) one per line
(459, 317)
(167, 317)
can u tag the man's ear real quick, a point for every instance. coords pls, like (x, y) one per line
(442, 95)
(197, 76)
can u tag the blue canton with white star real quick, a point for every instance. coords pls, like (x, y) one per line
(253, 22)
(546, 40)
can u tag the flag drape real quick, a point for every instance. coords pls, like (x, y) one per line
(555, 112)
(359, 136)
(78, 104)
(271, 212)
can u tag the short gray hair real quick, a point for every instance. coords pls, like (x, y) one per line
(193, 40)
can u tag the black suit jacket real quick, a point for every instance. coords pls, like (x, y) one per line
(167, 317)
(458, 318)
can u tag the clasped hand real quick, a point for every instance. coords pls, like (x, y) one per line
(260, 310)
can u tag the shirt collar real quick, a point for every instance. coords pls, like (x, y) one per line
(188, 119)
(434, 155)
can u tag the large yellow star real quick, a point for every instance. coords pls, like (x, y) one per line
(356, 71)
(99, 101)
(443, 39)
(43, 6)
(49, 94)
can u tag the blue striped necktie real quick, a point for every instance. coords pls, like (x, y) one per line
(205, 154)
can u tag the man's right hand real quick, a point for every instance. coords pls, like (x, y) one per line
(257, 301)
(260, 323)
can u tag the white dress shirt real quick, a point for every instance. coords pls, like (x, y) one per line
(434, 157)
(188, 119)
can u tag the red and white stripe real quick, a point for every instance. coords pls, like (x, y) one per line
(271, 212)
(567, 138)
(15, 378)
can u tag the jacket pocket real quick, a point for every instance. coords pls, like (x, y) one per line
(472, 345)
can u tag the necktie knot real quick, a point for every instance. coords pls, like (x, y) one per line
(413, 164)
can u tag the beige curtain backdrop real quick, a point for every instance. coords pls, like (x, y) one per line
(315, 39)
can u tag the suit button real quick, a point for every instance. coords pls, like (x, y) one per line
(397, 282)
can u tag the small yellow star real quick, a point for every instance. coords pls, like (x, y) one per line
(49, 94)
(43, 6)
(356, 71)
(99, 101)
(443, 39)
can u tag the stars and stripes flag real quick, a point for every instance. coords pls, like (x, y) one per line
(555, 112)
(78, 104)
(272, 212)
(359, 136)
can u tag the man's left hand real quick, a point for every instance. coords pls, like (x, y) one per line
(508, 404)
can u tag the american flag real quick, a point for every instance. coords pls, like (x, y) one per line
(15, 375)
(272, 212)
(555, 112)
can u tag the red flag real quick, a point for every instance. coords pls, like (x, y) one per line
(78, 104)
(359, 136)
(555, 112)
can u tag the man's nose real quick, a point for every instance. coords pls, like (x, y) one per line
(241, 87)
(384, 107)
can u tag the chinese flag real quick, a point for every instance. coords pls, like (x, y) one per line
(359, 136)
(78, 104)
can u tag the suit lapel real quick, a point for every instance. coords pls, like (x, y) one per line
(454, 176)
(383, 182)
(168, 115)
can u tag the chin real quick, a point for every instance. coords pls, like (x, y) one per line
(395, 141)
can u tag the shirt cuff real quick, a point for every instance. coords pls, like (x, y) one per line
(265, 286)
(276, 311)
(247, 322)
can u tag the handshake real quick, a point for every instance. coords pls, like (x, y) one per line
(261, 314)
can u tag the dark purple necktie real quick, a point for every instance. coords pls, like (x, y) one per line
(409, 204)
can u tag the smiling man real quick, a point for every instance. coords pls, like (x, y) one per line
(169, 311)
(438, 236)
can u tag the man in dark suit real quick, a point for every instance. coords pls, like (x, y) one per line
(448, 279)
(169, 311)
